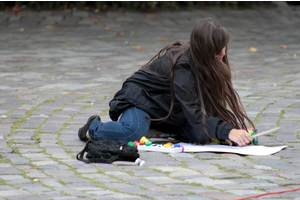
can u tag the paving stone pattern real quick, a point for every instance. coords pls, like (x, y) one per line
(59, 68)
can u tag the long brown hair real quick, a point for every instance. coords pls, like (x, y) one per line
(213, 76)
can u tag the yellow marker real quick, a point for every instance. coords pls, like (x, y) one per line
(143, 140)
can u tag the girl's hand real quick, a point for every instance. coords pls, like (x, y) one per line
(239, 136)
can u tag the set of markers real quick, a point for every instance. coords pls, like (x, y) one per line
(145, 145)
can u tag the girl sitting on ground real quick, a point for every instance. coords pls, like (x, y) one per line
(185, 89)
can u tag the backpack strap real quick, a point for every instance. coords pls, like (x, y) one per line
(80, 155)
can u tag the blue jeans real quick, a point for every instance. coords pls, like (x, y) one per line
(133, 125)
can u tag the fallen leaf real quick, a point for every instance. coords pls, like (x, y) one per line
(295, 55)
(161, 39)
(95, 20)
(283, 46)
(138, 47)
(252, 49)
(106, 28)
(16, 10)
(119, 33)
(132, 43)
(22, 29)
(49, 27)
(68, 43)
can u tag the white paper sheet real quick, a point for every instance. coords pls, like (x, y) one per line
(255, 150)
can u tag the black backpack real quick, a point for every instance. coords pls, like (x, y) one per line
(102, 151)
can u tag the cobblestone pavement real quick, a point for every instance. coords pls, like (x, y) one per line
(57, 69)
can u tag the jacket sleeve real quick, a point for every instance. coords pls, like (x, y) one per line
(187, 95)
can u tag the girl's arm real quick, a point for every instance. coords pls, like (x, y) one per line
(186, 93)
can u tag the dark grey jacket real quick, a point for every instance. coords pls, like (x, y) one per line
(149, 90)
